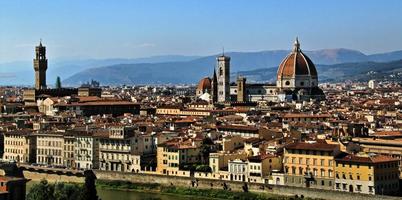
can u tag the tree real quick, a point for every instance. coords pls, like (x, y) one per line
(58, 82)
(89, 192)
(67, 191)
(41, 191)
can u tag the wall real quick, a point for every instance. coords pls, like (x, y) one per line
(236, 186)
(36, 176)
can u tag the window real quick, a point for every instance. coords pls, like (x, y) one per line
(302, 83)
(287, 83)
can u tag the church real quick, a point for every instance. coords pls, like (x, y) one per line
(297, 79)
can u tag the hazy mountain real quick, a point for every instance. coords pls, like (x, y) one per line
(362, 71)
(194, 70)
(384, 57)
(170, 68)
(22, 73)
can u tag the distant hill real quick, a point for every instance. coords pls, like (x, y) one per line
(21, 72)
(264, 62)
(361, 71)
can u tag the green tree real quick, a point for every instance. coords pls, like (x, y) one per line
(58, 82)
(67, 191)
(41, 191)
(89, 190)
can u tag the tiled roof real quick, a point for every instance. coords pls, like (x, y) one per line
(321, 146)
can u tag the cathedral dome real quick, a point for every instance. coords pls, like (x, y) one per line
(204, 86)
(296, 64)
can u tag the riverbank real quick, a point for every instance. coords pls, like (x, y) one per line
(189, 191)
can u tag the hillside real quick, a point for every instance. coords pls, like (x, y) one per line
(361, 71)
(261, 66)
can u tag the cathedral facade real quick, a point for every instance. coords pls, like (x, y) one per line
(297, 79)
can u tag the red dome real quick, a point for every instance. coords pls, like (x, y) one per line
(296, 63)
(204, 84)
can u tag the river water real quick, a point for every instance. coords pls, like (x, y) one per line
(130, 195)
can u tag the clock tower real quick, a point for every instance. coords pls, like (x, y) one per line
(40, 66)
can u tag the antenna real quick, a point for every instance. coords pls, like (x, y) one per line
(223, 51)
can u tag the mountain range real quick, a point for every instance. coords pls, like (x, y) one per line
(241, 63)
(256, 66)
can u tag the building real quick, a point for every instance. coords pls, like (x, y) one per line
(40, 66)
(220, 161)
(50, 148)
(310, 164)
(223, 78)
(19, 146)
(176, 155)
(86, 149)
(372, 84)
(204, 86)
(297, 76)
(41, 91)
(387, 147)
(15, 188)
(375, 174)
(119, 150)
(69, 151)
(87, 106)
(261, 166)
(297, 79)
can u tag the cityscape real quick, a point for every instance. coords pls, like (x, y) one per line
(237, 124)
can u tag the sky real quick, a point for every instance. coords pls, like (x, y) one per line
(142, 28)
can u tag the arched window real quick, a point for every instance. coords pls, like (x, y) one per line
(220, 71)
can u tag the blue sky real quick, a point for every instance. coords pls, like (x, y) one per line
(134, 28)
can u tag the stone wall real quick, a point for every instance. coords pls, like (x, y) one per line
(236, 186)
(37, 176)
(204, 184)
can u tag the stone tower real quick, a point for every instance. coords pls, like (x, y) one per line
(241, 89)
(223, 63)
(214, 88)
(40, 66)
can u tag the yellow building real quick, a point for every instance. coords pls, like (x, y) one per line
(261, 166)
(310, 164)
(376, 174)
(19, 146)
(173, 155)
(219, 161)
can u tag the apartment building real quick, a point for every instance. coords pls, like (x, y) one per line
(310, 164)
(20, 146)
(368, 174)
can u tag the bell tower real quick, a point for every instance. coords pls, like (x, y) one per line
(40, 66)
(223, 64)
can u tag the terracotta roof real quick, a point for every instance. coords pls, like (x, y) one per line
(238, 127)
(364, 159)
(204, 84)
(305, 115)
(321, 146)
(296, 63)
